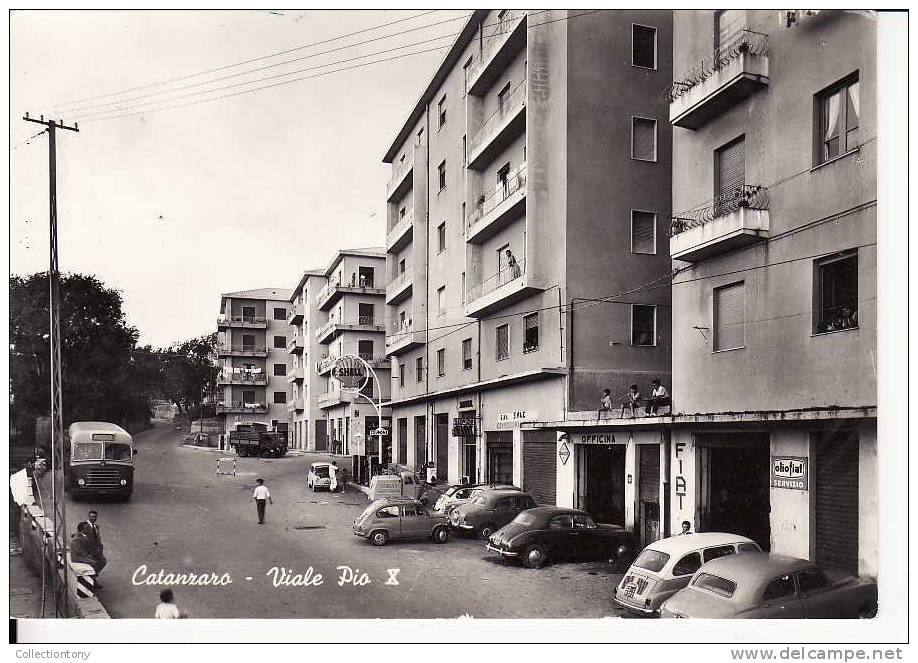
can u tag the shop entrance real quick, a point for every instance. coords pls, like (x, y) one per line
(648, 460)
(468, 445)
(441, 440)
(602, 482)
(500, 457)
(737, 486)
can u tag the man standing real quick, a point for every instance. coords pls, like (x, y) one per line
(261, 497)
(94, 534)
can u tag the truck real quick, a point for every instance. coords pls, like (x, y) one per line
(257, 440)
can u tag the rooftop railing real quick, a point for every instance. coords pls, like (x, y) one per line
(506, 106)
(492, 283)
(750, 196)
(493, 34)
(515, 181)
(740, 42)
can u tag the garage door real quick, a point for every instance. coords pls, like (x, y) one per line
(540, 471)
(837, 501)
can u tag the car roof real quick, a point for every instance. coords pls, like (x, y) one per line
(395, 499)
(504, 492)
(684, 543)
(754, 567)
(320, 463)
(549, 511)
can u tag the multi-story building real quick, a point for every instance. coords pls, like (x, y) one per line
(350, 320)
(252, 352)
(307, 420)
(529, 200)
(774, 305)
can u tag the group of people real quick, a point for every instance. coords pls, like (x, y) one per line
(633, 400)
(86, 545)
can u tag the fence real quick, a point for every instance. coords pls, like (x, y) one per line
(742, 41)
(751, 196)
(492, 283)
(514, 182)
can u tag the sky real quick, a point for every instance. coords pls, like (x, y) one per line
(174, 206)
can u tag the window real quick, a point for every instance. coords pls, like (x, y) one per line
(248, 313)
(652, 560)
(715, 585)
(643, 232)
(280, 314)
(248, 396)
(643, 139)
(503, 179)
(779, 588)
(467, 354)
(402, 212)
(441, 112)
(643, 324)
(502, 98)
(441, 175)
(365, 349)
(441, 300)
(401, 266)
(413, 510)
(365, 277)
(401, 375)
(419, 369)
(465, 151)
(717, 551)
(730, 317)
(420, 135)
(280, 369)
(365, 314)
(465, 73)
(839, 119)
(280, 396)
(388, 512)
(835, 292)
(812, 580)
(280, 341)
(441, 237)
(508, 503)
(503, 342)
(729, 176)
(531, 332)
(441, 362)
(248, 341)
(561, 522)
(582, 521)
(687, 565)
(643, 46)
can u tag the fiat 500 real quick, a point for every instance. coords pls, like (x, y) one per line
(488, 512)
(399, 518)
(463, 493)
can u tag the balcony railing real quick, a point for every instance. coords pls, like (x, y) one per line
(399, 169)
(507, 107)
(296, 314)
(324, 329)
(242, 350)
(489, 201)
(493, 35)
(241, 321)
(295, 344)
(741, 42)
(241, 407)
(296, 374)
(256, 377)
(399, 280)
(407, 219)
(749, 196)
(492, 283)
(372, 359)
(325, 364)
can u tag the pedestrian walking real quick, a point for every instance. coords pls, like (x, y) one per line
(167, 608)
(261, 496)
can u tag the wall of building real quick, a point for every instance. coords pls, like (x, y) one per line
(869, 501)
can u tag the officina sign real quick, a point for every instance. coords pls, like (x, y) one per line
(789, 472)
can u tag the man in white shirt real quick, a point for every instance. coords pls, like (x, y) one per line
(658, 397)
(261, 497)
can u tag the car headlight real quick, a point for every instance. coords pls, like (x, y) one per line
(124, 482)
(82, 482)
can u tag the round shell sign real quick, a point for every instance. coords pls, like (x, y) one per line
(351, 372)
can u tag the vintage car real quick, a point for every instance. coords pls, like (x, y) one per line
(490, 510)
(549, 533)
(399, 518)
(666, 566)
(462, 493)
(318, 476)
(769, 586)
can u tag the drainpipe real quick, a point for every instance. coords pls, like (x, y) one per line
(429, 434)
(480, 433)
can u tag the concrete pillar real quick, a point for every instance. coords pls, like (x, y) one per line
(453, 462)
(791, 508)
(684, 477)
(518, 457)
(566, 479)
(868, 502)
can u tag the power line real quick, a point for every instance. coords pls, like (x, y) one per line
(27, 140)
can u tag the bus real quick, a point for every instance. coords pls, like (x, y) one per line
(99, 460)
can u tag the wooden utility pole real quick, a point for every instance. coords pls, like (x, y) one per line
(59, 544)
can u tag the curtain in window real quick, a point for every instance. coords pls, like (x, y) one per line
(831, 111)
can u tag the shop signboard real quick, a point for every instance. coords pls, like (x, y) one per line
(465, 426)
(593, 438)
(789, 472)
(511, 420)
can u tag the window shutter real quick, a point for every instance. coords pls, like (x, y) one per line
(731, 170)
(642, 232)
(503, 342)
(643, 139)
(730, 317)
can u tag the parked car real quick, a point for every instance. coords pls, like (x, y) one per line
(666, 566)
(318, 476)
(399, 518)
(490, 510)
(406, 484)
(547, 533)
(769, 586)
(462, 493)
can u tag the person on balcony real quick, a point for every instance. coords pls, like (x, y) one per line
(658, 397)
(631, 400)
(605, 401)
(513, 265)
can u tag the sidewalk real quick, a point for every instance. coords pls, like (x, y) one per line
(25, 589)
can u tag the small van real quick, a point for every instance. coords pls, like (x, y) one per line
(403, 484)
(666, 566)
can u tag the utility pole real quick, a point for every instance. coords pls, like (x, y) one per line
(59, 543)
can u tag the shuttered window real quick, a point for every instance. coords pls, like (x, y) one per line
(503, 342)
(441, 362)
(467, 354)
(730, 317)
(643, 232)
(729, 176)
(643, 139)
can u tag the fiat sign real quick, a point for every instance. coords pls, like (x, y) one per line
(351, 372)
(789, 472)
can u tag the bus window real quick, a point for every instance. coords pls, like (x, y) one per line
(117, 452)
(87, 451)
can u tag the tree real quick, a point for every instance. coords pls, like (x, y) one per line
(189, 370)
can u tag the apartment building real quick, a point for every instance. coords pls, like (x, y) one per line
(307, 429)
(529, 201)
(350, 320)
(252, 353)
(774, 306)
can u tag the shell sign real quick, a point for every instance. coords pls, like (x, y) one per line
(789, 472)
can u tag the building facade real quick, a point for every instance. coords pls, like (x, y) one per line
(252, 352)
(307, 421)
(529, 199)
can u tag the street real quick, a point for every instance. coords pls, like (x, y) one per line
(183, 518)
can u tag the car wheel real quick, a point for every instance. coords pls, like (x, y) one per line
(441, 534)
(379, 537)
(534, 557)
(486, 531)
(868, 611)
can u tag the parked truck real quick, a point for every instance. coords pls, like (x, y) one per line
(256, 440)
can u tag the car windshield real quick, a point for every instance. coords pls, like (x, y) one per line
(87, 451)
(117, 451)
(652, 560)
(524, 518)
(715, 584)
(371, 507)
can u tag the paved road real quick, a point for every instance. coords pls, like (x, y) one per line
(182, 518)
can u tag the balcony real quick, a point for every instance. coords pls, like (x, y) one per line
(400, 287)
(242, 351)
(501, 39)
(364, 323)
(375, 362)
(496, 209)
(724, 224)
(402, 177)
(324, 365)
(295, 345)
(295, 404)
(242, 322)
(402, 337)
(498, 290)
(737, 69)
(296, 314)
(296, 374)
(400, 232)
(239, 407)
(242, 376)
(335, 397)
(334, 289)
(506, 123)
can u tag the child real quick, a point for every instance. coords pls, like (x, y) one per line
(166, 608)
(631, 400)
